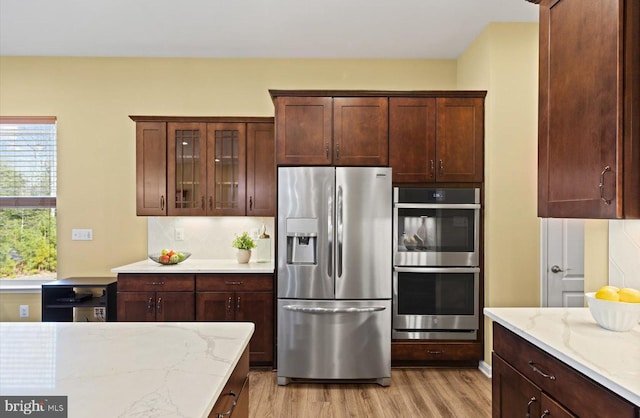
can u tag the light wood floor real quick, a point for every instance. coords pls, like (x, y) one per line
(413, 393)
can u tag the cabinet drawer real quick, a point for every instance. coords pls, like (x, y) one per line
(238, 384)
(405, 351)
(581, 395)
(234, 282)
(131, 282)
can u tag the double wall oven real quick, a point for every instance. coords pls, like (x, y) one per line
(436, 269)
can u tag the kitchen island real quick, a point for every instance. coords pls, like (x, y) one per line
(563, 355)
(123, 369)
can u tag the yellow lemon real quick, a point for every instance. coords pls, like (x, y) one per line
(608, 293)
(629, 295)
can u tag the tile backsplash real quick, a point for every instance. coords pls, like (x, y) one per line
(624, 253)
(204, 237)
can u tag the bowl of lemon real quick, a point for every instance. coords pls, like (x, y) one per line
(615, 309)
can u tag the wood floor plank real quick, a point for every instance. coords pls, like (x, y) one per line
(414, 393)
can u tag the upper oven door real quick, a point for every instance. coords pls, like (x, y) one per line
(436, 234)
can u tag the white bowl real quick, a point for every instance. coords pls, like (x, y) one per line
(614, 316)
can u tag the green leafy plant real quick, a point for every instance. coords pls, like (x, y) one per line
(243, 242)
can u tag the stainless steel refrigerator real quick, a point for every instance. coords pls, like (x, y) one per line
(334, 274)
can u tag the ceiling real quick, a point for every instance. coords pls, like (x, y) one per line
(435, 29)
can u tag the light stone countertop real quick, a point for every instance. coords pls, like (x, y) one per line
(191, 265)
(116, 369)
(573, 336)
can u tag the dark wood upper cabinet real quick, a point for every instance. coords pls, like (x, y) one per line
(460, 139)
(589, 109)
(151, 168)
(226, 169)
(261, 170)
(187, 168)
(205, 166)
(436, 139)
(303, 130)
(360, 131)
(327, 130)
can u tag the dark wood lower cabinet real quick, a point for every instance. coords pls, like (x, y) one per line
(240, 297)
(203, 297)
(527, 381)
(426, 353)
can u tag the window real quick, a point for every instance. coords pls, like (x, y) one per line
(28, 197)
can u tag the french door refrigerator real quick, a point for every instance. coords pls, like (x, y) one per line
(334, 274)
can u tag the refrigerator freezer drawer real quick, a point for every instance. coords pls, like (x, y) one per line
(334, 340)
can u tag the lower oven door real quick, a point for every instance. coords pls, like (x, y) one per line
(435, 303)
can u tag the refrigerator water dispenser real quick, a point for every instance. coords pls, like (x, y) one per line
(302, 237)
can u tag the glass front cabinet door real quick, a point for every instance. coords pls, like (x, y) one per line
(226, 168)
(206, 169)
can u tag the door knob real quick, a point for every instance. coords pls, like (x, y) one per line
(555, 269)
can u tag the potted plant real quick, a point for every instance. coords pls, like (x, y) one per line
(244, 244)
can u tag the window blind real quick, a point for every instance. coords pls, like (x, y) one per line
(28, 162)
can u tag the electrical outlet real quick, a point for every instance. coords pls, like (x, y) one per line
(82, 234)
(99, 313)
(179, 232)
(24, 311)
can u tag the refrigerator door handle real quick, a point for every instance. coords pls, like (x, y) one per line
(306, 309)
(340, 231)
(330, 232)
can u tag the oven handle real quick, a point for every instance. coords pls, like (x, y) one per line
(305, 309)
(437, 206)
(437, 269)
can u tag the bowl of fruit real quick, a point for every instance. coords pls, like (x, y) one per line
(615, 309)
(168, 257)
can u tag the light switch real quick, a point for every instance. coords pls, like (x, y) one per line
(179, 233)
(82, 234)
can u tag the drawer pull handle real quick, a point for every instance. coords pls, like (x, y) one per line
(435, 351)
(540, 372)
(229, 411)
(531, 401)
(155, 283)
(150, 305)
(546, 413)
(229, 301)
(233, 283)
(159, 305)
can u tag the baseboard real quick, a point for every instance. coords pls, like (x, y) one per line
(485, 368)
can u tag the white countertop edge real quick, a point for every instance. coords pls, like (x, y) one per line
(234, 363)
(572, 362)
(197, 266)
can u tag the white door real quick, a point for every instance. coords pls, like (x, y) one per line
(562, 262)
